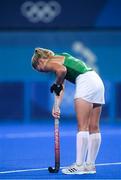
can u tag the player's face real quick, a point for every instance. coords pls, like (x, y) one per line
(41, 65)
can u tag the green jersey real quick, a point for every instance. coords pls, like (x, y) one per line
(74, 67)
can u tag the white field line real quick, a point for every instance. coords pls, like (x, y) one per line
(33, 135)
(42, 169)
(42, 134)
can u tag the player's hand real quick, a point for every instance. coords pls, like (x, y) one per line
(56, 112)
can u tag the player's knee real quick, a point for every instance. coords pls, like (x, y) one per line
(94, 128)
(83, 127)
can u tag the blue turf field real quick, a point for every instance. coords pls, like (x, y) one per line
(27, 150)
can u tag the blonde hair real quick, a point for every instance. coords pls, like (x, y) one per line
(44, 53)
(41, 53)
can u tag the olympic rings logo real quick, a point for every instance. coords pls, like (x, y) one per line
(40, 11)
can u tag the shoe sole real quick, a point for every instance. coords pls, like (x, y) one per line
(85, 172)
(75, 173)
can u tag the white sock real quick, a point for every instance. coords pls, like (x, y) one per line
(81, 146)
(93, 147)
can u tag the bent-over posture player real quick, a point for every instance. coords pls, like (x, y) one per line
(88, 100)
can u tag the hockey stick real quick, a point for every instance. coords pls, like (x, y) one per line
(57, 143)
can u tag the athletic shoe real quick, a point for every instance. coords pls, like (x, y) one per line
(74, 169)
(90, 169)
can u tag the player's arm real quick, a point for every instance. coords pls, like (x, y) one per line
(58, 99)
(60, 72)
(58, 86)
(58, 69)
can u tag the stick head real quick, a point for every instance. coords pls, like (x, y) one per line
(52, 170)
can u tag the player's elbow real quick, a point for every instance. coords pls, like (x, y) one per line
(61, 71)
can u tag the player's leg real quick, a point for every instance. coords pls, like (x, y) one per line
(83, 111)
(94, 138)
(95, 118)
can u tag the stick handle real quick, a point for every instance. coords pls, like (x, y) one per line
(57, 137)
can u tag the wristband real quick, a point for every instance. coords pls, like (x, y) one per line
(56, 88)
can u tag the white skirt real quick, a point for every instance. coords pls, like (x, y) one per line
(89, 87)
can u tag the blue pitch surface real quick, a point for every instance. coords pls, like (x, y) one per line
(26, 151)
